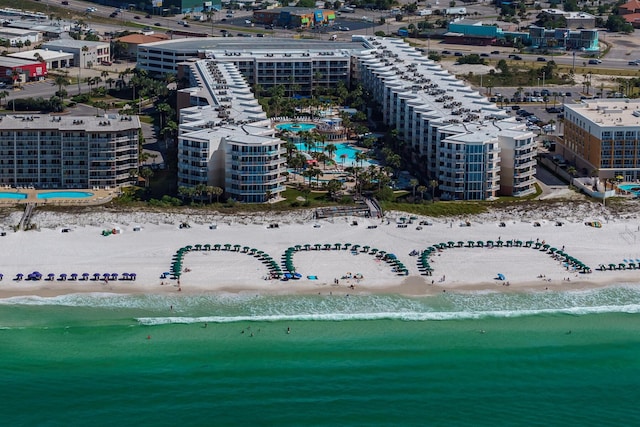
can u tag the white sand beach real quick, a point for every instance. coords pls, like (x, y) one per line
(148, 252)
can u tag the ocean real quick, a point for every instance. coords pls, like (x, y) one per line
(473, 359)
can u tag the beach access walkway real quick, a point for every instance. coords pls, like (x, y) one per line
(368, 208)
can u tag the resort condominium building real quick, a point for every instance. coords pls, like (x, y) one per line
(472, 147)
(68, 152)
(225, 139)
(307, 64)
(603, 136)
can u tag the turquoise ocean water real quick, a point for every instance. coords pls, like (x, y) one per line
(453, 359)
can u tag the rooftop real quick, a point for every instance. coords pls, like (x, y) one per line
(193, 45)
(142, 38)
(77, 44)
(609, 112)
(109, 122)
(46, 54)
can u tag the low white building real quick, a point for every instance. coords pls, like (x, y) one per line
(86, 54)
(53, 58)
(17, 35)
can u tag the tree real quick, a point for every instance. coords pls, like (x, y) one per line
(616, 23)
(215, 191)
(3, 94)
(433, 184)
(146, 173)
(422, 189)
(62, 80)
(331, 150)
(414, 183)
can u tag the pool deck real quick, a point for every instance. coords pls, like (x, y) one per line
(99, 197)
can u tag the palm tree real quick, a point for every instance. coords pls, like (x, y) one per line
(62, 80)
(360, 156)
(3, 94)
(331, 150)
(421, 190)
(414, 183)
(217, 191)
(146, 173)
(343, 157)
(433, 184)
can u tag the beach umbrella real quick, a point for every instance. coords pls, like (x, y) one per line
(337, 246)
(327, 246)
(217, 247)
(489, 242)
(73, 276)
(471, 243)
(298, 247)
(552, 250)
(188, 248)
(125, 276)
(85, 276)
(50, 276)
(480, 243)
(346, 246)
(355, 247)
(63, 276)
(114, 276)
(198, 247)
(236, 248)
(245, 249)
(499, 242)
(366, 248)
(227, 246)
(317, 246)
(392, 256)
(19, 276)
(207, 247)
(373, 251)
(133, 276)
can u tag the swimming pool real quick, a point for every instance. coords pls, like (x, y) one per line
(64, 195)
(18, 196)
(342, 149)
(631, 188)
(296, 127)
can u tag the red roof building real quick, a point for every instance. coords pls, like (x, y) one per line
(630, 11)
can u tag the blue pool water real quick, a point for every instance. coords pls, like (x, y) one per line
(296, 127)
(65, 195)
(5, 195)
(631, 188)
(342, 149)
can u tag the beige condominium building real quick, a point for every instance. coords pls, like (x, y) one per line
(602, 137)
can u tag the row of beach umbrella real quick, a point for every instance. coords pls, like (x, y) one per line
(36, 275)
(391, 259)
(426, 269)
(178, 258)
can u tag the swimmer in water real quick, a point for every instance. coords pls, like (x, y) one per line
(288, 330)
